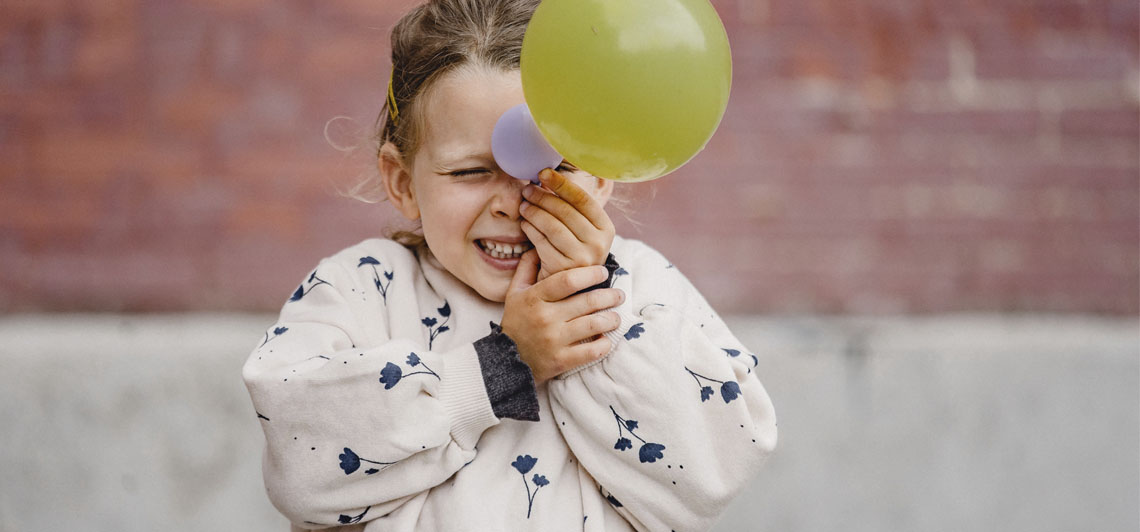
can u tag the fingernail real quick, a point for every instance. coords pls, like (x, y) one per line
(528, 191)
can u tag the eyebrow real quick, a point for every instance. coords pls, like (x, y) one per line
(458, 160)
(462, 153)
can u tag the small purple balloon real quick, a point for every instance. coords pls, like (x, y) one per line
(519, 147)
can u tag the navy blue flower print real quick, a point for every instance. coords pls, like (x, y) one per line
(277, 331)
(313, 282)
(523, 464)
(620, 271)
(736, 353)
(413, 361)
(350, 519)
(729, 390)
(350, 462)
(392, 374)
(430, 323)
(635, 331)
(648, 453)
(381, 286)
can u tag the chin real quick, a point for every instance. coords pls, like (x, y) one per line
(493, 292)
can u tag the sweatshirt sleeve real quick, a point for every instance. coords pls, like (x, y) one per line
(359, 425)
(673, 423)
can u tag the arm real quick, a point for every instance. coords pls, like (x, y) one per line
(673, 422)
(357, 424)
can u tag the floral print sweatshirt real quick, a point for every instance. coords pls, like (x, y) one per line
(391, 401)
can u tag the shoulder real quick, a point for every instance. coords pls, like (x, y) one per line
(376, 260)
(634, 255)
(647, 275)
(379, 252)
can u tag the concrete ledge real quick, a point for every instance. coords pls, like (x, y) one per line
(950, 422)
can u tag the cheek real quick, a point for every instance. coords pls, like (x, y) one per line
(449, 213)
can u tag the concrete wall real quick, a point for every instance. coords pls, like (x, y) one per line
(942, 423)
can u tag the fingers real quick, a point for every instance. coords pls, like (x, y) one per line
(592, 301)
(525, 273)
(549, 253)
(587, 352)
(569, 282)
(573, 194)
(554, 215)
(590, 325)
(560, 228)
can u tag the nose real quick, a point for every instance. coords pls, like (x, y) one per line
(507, 198)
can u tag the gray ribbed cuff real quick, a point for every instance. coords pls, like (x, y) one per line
(509, 382)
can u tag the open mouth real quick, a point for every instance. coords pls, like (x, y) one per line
(502, 250)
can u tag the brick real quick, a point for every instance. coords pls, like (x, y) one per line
(106, 51)
(1124, 122)
(55, 42)
(198, 106)
(15, 58)
(1022, 63)
(22, 11)
(74, 156)
(232, 8)
(118, 11)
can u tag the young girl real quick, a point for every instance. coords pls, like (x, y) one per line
(520, 368)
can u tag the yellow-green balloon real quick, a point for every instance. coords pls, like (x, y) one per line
(627, 90)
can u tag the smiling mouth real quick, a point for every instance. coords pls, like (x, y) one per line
(503, 251)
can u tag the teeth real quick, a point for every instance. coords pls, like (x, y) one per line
(502, 250)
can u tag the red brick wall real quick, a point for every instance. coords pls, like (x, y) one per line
(877, 156)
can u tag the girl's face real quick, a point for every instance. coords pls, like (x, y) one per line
(469, 207)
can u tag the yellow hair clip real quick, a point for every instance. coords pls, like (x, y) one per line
(393, 110)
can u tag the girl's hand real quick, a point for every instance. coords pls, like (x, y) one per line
(568, 227)
(555, 330)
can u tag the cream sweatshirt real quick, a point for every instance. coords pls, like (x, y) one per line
(391, 401)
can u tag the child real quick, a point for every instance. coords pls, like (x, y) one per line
(521, 368)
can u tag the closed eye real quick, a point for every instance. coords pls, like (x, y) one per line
(468, 172)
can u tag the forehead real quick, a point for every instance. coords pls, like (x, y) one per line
(462, 107)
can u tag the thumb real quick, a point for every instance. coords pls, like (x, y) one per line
(526, 273)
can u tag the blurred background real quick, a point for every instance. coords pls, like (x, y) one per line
(923, 215)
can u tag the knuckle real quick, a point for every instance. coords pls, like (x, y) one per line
(571, 282)
(559, 365)
(613, 321)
